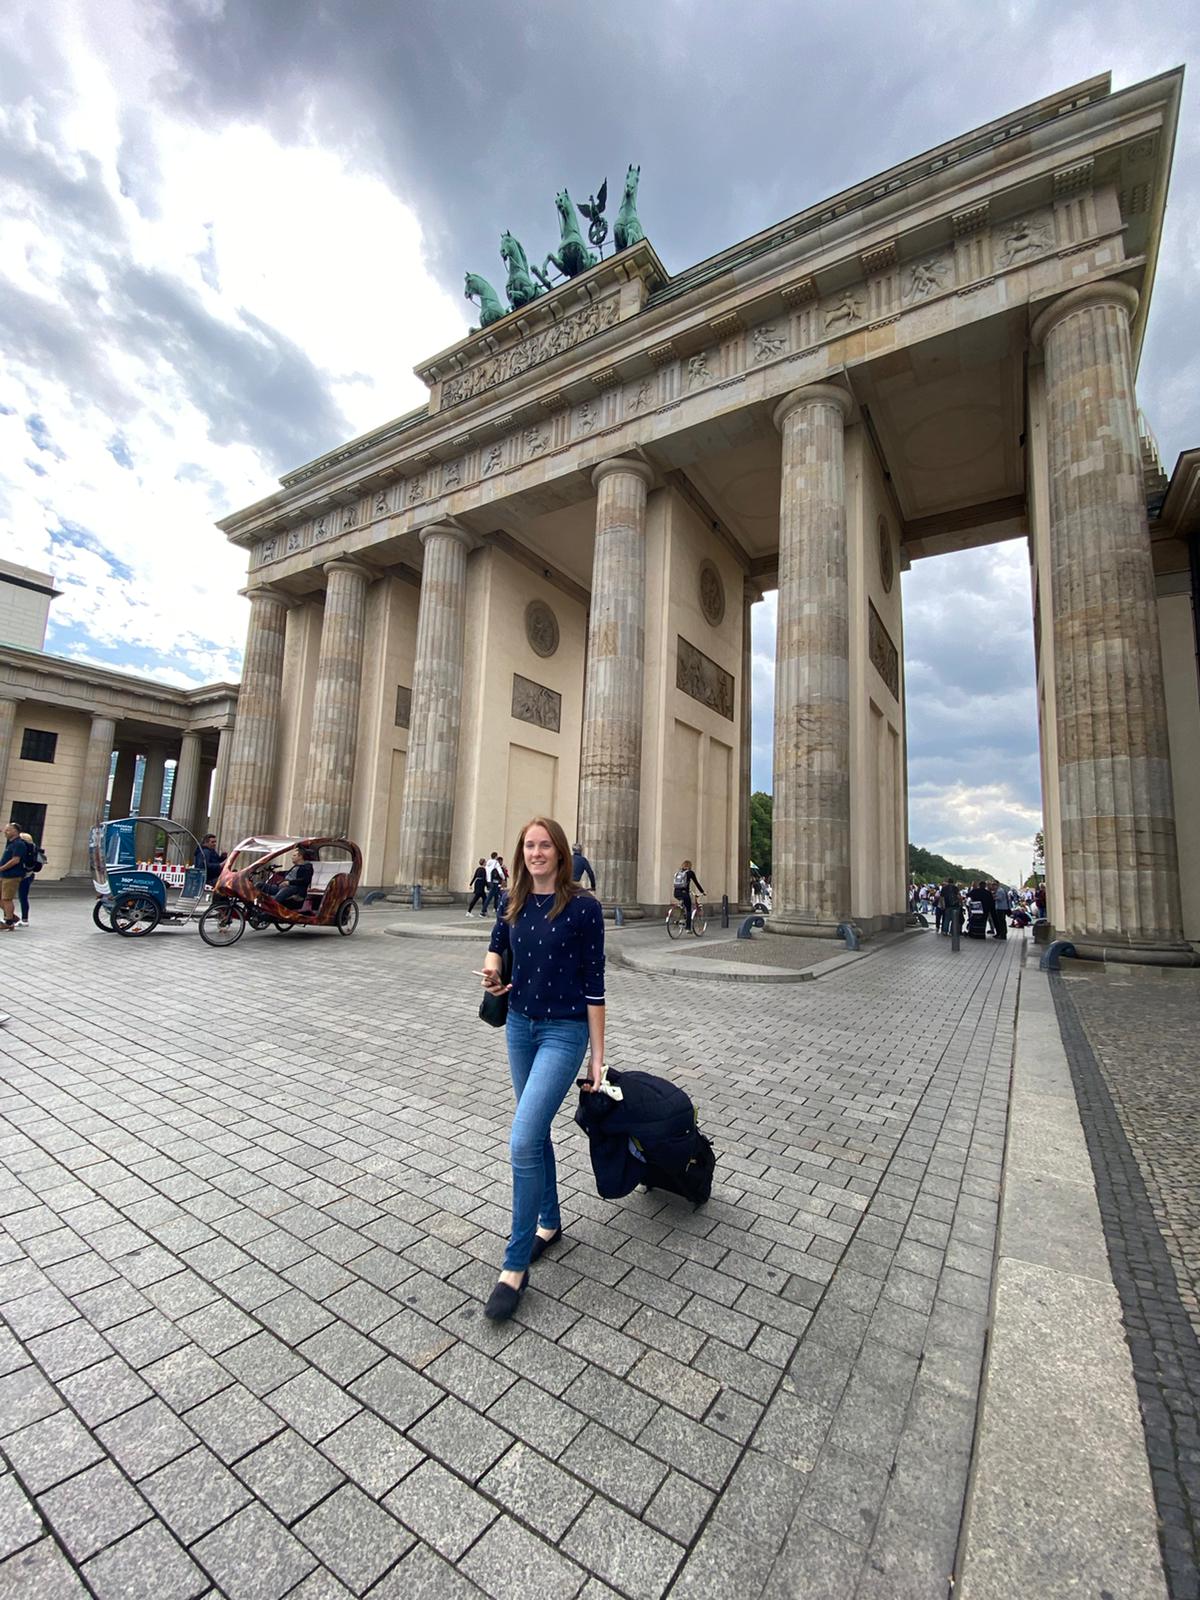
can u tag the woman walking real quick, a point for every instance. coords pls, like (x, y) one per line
(555, 933)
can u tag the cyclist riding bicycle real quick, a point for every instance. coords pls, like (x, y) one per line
(684, 879)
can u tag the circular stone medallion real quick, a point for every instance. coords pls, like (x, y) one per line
(712, 593)
(887, 562)
(541, 628)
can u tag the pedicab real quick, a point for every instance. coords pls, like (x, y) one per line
(144, 873)
(254, 876)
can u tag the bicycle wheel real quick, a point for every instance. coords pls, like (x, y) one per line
(102, 917)
(222, 925)
(698, 921)
(675, 921)
(347, 918)
(134, 915)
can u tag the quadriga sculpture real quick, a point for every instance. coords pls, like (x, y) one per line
(627, 229)
(490, 309)
(573, 255)
(520, 287)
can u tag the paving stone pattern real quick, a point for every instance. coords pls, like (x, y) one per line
(1131, 1044)
(253, 1200)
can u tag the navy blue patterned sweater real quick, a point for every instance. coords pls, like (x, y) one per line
(558, 965)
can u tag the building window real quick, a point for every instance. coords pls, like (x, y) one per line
(38, 745)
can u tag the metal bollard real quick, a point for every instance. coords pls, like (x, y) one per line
(416, 897)
(954, 932)
(1053, 953)
(618, 917)
(724, 910)
(849, 933)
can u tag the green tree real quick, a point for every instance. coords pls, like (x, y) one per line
(926, 867)
(760, 831)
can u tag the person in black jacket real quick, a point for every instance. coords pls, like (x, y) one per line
(479, 889)
(294, 890)
(554, 931)
(209, 858)
(684, 879)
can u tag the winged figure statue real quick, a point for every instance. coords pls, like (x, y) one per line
(594, 212)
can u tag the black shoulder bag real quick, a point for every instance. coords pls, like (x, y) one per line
(493, 1008)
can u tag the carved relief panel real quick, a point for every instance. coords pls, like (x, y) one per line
(883, 653)
(701, 678)
(534, 703)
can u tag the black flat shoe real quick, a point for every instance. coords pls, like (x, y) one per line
(540, 1245)
(504, 1300)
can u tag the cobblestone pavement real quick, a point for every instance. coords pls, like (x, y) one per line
(1131, 1042)
(254, 1199)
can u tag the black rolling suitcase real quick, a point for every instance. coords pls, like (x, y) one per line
(648, 1136)
(976, 921)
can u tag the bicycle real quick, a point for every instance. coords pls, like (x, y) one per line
(677, 919)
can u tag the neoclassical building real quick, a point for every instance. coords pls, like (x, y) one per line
(533, 593)
(63, 721)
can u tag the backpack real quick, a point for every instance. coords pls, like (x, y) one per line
(35, 857)
(681, 880)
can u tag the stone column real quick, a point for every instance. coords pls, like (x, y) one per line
(154, 774)
(750, 594)
(251, 781)
(121, 802)
(93, 790)
(610, 765)
(330, 776)
(187, 781)
(1118, 821)
(810, 856)
(8, 721)
(216, 812)
(203, 794)
(431, 771)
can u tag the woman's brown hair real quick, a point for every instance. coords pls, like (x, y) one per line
(565, 890)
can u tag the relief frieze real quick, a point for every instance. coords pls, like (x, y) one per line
(531, 352)
(701, 678)
(534, 703)
(884, 656)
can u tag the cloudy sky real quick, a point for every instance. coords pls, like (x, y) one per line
(230, 228)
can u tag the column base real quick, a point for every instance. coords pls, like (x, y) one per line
(799, 926)
(1110, 947)
(431, 894)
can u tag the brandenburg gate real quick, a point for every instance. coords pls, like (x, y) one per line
(533, 593)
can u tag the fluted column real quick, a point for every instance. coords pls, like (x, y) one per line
(216, 813)
(1120, 868)
(121, 802)
(335, 700)
(93, 791)
(256, 736)
(610, 765)
(749, 595)
(187, 781)
(431, 769)
(810, 855)
(8, 720)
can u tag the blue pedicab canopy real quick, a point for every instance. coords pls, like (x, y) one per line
(147, 856)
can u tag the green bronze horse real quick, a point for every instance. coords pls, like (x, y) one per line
(520, 287)
(490, 309)
(627, 229)
(573, 255)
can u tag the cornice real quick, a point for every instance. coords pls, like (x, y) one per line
(35, 675)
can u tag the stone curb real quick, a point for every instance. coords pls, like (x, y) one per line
(734, 971)
(1059, 1500)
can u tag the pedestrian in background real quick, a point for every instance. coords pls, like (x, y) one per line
(35, 860)
(554, 931)
(495, 883)
(479, 889)
(579, 865)
(12, 870)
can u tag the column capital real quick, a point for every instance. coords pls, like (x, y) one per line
(452, 530)
(263, 591)
(629, 464)
(812, 394)
(350, 564)
(1107, 293)
(751, 590)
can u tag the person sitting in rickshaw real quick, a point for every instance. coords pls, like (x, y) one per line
(294, 890)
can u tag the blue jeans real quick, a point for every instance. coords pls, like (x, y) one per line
(544, 1059)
